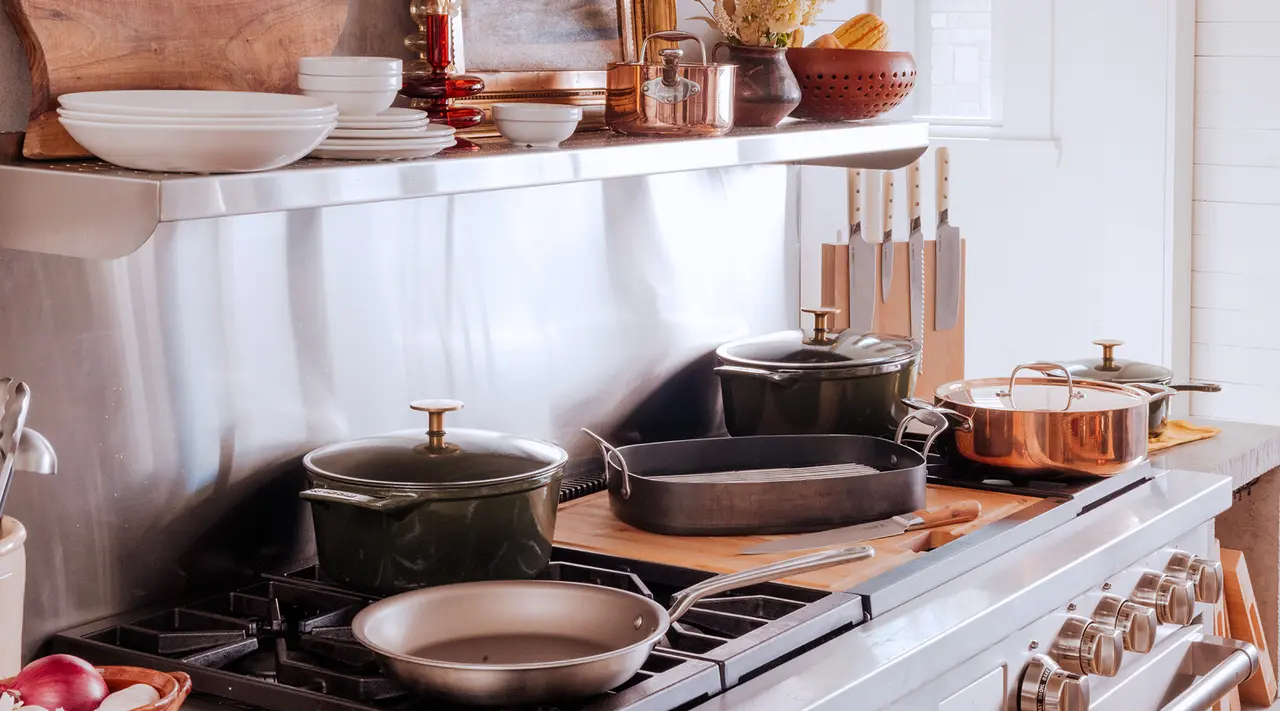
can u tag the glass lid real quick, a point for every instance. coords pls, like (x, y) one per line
(1112, 369)
(796, 350)
(1040, 394)
(434, 458)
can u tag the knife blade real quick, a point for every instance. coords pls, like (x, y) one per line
(946, 294)
(915, 260)
(862, 264)
(957, 512)
(886, 240)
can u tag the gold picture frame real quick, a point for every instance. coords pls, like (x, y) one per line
(580, 87)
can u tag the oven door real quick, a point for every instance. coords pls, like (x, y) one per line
(1189, 671)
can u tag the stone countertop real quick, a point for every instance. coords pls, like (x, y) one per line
(1244, 451)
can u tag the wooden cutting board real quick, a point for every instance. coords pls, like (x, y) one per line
(89, 45)
(588, 524)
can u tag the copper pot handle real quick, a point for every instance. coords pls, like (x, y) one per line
(673, 36)
(1045, 367)
(1155, 391)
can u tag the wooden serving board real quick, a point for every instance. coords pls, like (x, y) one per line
(90, 45)
(588, 524)
(943, 350)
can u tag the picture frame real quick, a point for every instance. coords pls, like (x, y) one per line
(583, 87)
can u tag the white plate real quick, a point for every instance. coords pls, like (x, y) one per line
(198, 120)
(384, 153)
(365, 134)
(211, 104)
(394, 117)
(391, 143)
(350, 66)
(197, 149)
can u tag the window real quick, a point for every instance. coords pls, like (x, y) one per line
(955, 44)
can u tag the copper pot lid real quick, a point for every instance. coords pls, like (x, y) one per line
(796, 350)
(1114, 370)
(1041, 394)
(437, 459)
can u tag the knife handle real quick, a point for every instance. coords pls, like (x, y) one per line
(956, 512)
(913, 193)
(886, 198)
(855, 198)
(943, 178)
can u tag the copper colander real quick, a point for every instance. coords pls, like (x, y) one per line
(845, 84)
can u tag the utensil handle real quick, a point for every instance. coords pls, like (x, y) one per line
(886, 204)
(780, 378)
(1197, 387)
(913, 193)
(855, 201)
(1045, 367)
(956, 512)
(684, 600)
(364, 501)
(1155, 391)
(675, 36)
(943, 178)
(608, 452)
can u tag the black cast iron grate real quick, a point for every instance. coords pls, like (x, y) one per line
(285, 643)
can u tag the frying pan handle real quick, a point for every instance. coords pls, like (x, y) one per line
(1182, 388)
(608, 451)
(684, 600)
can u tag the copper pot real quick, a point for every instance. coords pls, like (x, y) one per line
(673, 98)
(1047, 425)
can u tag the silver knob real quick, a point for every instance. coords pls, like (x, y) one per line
(1206, 575)
(1086, 647)
(1136, 624)
(1173, 600)
(1046, 686)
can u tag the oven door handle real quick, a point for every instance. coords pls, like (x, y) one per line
(1222, 664)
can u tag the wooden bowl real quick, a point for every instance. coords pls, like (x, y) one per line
(173, 687)
(846, 84)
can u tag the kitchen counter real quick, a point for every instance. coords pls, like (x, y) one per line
(1244, 452)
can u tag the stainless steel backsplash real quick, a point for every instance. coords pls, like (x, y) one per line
(181, 385)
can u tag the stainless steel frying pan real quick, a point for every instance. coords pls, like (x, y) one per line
(497, 643)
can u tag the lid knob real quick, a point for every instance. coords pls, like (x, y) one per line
(821, 322)
(1108, 352)
(435, 409)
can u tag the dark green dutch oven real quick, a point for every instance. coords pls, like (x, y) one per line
(410, 509)
(791, 382)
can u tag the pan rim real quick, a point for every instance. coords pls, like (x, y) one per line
(361, 620)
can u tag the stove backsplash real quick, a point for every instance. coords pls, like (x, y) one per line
(182, 384)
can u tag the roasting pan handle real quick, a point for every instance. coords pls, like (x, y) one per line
(1224, 664)
(609, 452)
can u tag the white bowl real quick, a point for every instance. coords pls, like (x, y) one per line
(538, 125)
(197, 149)
(307, 81)
(356, 103)
(201, 120)
(350, 66)
(208, 104)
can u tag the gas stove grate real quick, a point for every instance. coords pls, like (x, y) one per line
(285, 642)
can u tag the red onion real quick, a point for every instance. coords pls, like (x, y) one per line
(59, 681)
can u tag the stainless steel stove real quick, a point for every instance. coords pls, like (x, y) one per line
(283, 643)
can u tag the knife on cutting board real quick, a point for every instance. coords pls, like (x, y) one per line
(946, 294)
(886, 240)
(956, 512)
(862, 262)
(915, 260)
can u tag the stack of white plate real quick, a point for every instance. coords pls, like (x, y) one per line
(197, 131)
(368, 129)
(392, 134)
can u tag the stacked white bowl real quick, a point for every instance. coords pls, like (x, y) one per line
(363, 88)
(196, 131)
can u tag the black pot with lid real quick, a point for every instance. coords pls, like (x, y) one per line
(407, 509)
(792, 382)
(1110, 369)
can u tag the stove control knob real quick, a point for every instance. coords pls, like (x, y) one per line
(1046, 686)
(1136, 624)
(1087, 647)
(1206, 575)
(1173, 600)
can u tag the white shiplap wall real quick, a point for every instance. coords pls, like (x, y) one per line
(1235, 318)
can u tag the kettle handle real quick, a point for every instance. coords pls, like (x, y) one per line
(673, 36)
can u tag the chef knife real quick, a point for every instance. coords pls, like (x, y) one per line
(946, 295)
(915, 260)
(957, 512)
(862, 262)
(886, 242)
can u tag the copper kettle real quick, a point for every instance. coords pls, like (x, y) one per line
(673, 98)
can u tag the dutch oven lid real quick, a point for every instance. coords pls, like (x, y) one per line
(436, 459)
(795, 350)
(1041, 394)
(1112, 369)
